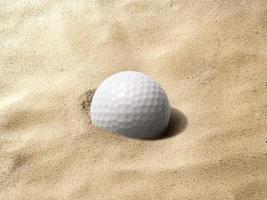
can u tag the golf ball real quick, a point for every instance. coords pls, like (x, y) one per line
(132, 104)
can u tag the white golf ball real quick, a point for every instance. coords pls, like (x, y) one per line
(132, 104)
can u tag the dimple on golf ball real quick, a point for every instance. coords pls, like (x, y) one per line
(132, 104)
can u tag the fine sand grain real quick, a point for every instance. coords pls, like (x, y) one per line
(210, 57)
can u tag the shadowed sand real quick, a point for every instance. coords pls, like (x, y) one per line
(178, 123)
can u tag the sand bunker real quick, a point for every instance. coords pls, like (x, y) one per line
(209, 56)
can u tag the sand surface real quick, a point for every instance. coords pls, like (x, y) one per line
(210, 57)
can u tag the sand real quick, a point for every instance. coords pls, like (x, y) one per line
(210, 57)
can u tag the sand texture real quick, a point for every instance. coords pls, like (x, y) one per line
(210, 57)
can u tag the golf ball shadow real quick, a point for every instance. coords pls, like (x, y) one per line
(178, 123)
